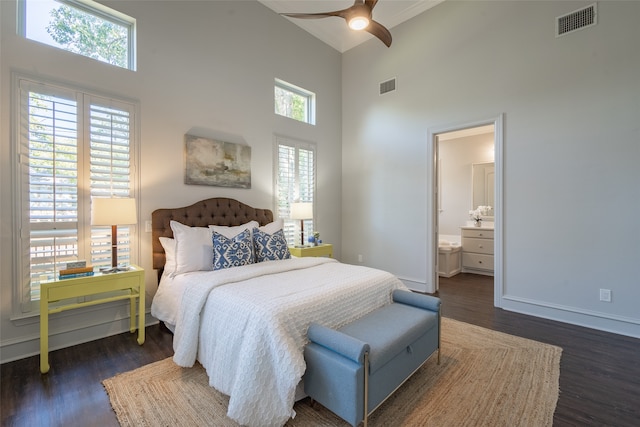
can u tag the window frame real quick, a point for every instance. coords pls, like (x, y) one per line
(310, 97)
(98, 10)
(292, 227)
(23, 305)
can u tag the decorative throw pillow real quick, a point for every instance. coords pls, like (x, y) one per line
(272, 227)
(193, 248)
(232, 252)
(233, 231)
(169, 246)
(270, 247)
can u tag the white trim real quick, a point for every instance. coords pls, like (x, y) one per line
(297, 144)
(432, 203)
(415, 284)
(29, 345)
(498, 212)
(308, 95)
(98, 10)
(16, 188)
(620, 325)
(85, 97)
(432, 218)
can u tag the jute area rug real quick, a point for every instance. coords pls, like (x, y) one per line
(485, 378)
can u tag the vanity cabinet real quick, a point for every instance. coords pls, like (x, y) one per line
(477, 250)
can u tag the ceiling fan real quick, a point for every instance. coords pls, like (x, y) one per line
(358, 17)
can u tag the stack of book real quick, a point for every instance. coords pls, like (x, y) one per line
(76, 269)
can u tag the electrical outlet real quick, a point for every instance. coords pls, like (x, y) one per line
(605, 295)
(360, 258)
(147, 226)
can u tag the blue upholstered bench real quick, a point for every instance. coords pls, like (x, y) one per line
(361, 364)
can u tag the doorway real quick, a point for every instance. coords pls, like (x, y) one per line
(449, 212)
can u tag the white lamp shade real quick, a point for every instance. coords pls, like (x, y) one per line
(113, 211)
(301, 210)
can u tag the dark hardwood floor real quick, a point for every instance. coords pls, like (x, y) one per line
(599, 372)
(71, 394)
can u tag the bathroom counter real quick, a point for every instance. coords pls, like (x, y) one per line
(487, 226)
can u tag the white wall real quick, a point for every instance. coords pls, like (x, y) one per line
(571, 137)
(204, 67)
(571, 148)
(456, 159)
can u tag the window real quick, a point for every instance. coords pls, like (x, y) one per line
(294, 102)
(80, 26)
(295, 182)
(72, 146)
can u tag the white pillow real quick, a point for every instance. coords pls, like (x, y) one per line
(231, 232)
(194, 248)
(272, 227)
(169, 246)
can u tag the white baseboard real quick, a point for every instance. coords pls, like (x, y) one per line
(27, 346)
(621, 325)
(417, 285)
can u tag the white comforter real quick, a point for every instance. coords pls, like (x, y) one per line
(248, 326)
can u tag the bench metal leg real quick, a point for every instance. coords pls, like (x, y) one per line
(366, 389)
(439, 333)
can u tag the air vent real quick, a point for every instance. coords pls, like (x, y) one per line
(582, 18)
(388, 86)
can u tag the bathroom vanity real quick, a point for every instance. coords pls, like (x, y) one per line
(477, 250)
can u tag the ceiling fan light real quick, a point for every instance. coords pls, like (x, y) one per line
(358, 23)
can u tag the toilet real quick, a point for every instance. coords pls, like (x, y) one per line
(449, 258)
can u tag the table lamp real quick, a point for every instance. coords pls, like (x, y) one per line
(113, 211)
(301, 211)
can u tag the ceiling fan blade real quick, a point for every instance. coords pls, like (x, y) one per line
(380, 32)
(371, 3)
(314, 15)
(359, 8)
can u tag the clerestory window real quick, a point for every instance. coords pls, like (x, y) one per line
(84, 27)
(294, 102)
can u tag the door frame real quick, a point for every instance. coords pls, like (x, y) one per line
(432, 201)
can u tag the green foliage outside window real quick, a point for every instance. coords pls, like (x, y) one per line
(290, 104)
(83, 27)
(89, 35)
(294, 102)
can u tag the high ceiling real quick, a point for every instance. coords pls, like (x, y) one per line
(334, 31)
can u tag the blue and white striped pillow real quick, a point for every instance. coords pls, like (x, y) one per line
(232, 252)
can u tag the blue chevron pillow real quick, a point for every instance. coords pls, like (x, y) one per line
(232, 252)
(270, 247)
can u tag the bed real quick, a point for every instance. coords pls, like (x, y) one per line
(246, 322)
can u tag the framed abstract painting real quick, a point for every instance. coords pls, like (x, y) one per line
(216, 163)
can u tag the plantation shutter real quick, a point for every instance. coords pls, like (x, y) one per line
(71, 146)
(306, 174)
(49, 155)
(110, 174)
(295, 182)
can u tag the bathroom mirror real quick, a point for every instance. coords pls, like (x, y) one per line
(483, 186)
